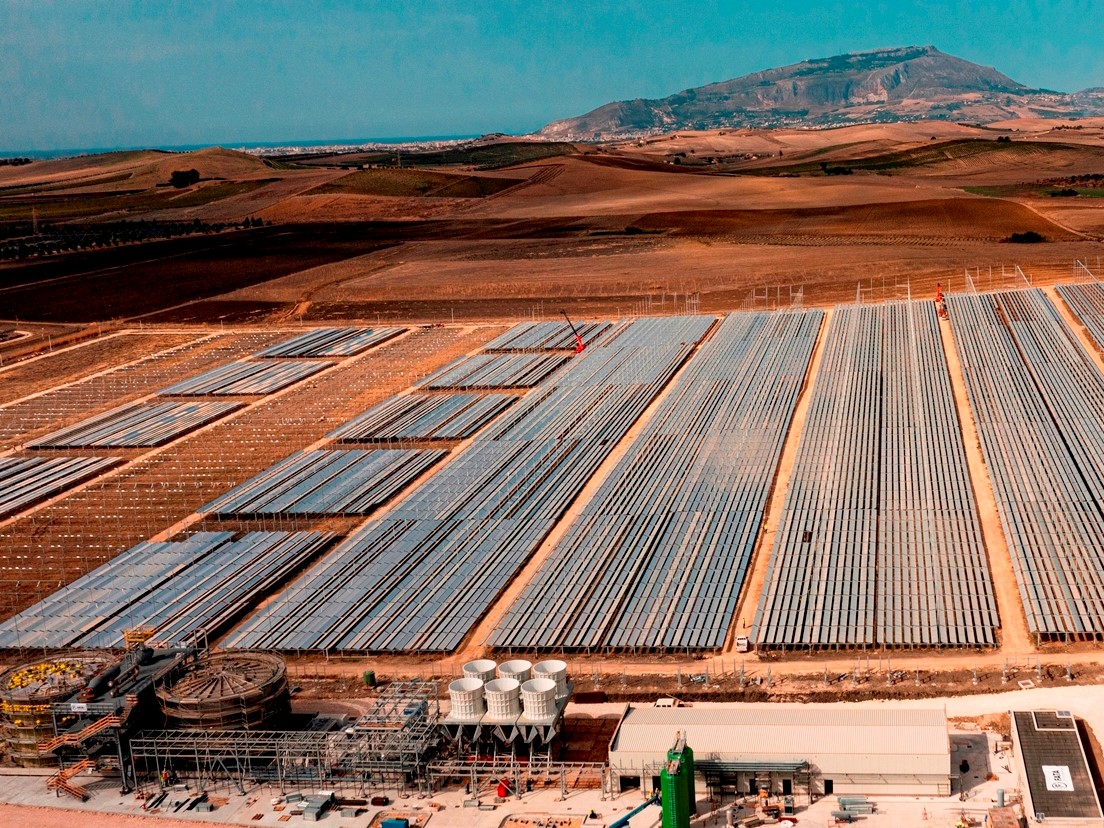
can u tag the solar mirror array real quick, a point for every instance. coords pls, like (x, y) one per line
(424, 417)
(422, 576)
(502, 370)
(1087, 301)
(1038, 400)
(331, 342)
(326, 482)
(546, 336)
(137, 425)
(879, 542)
(657, 557)
(25, 481)
(247, 377)
(203, 582)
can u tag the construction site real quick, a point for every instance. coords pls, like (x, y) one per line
(378, 562)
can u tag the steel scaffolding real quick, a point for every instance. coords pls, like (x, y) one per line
(390, 746)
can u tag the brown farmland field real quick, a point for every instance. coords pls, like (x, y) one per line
(607, 232)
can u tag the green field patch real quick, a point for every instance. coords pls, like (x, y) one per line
(129, 202)
(483, 157)
(416, 184)
(215, 192)
(926, 156)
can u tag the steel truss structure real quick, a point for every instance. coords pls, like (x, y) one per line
(390, 746)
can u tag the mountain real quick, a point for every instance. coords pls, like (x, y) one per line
(902, 84)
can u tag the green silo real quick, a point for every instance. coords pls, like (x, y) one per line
(676, 785)
(687, 761)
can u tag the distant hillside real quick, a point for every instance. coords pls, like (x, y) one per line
(902, 84)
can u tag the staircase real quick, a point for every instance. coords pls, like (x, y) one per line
(81, 736)
(60, 780)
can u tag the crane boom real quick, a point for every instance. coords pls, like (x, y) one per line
(579, 344)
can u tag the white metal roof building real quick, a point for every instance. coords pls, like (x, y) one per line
(799, 749)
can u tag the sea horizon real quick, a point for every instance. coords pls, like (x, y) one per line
(243, 146)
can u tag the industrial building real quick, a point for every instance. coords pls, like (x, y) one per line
(1055, 778)
(803, 751)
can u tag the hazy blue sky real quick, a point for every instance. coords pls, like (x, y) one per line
(83, 73)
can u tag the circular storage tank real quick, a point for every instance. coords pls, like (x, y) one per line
(466, 695)
(553, 669)
(538, 698)
(227, 691)
(482, 669)
(502, 698)
(27, 691)
(519, 669)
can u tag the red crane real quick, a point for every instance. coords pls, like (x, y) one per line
(579, 344)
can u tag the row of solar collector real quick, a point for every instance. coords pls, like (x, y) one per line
(424, 417)
(1087, 301)
(326, 482)
(25, 481)
(331, 342)
(466, 552)
(320, 482)
(314, 482)
(421, 577)
(152, 423)
(137, 425)
(547, 336)
(508, 370)
(669, 534)
(1037, 399)
(204, 582)
(840, 543)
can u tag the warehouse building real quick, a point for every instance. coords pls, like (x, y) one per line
(800, 750)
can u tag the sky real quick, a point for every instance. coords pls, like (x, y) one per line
(122, 73)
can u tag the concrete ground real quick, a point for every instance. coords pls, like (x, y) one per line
(24, 799)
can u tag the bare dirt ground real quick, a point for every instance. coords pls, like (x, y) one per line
(603, 234)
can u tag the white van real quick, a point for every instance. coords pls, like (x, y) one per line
(743, 645)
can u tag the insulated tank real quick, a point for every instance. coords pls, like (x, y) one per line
(502, 698)
(553, 669)
(482, 669)
(227, 691)
(26, 693)
(466, 695)
(538, 698)
(519, 669)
